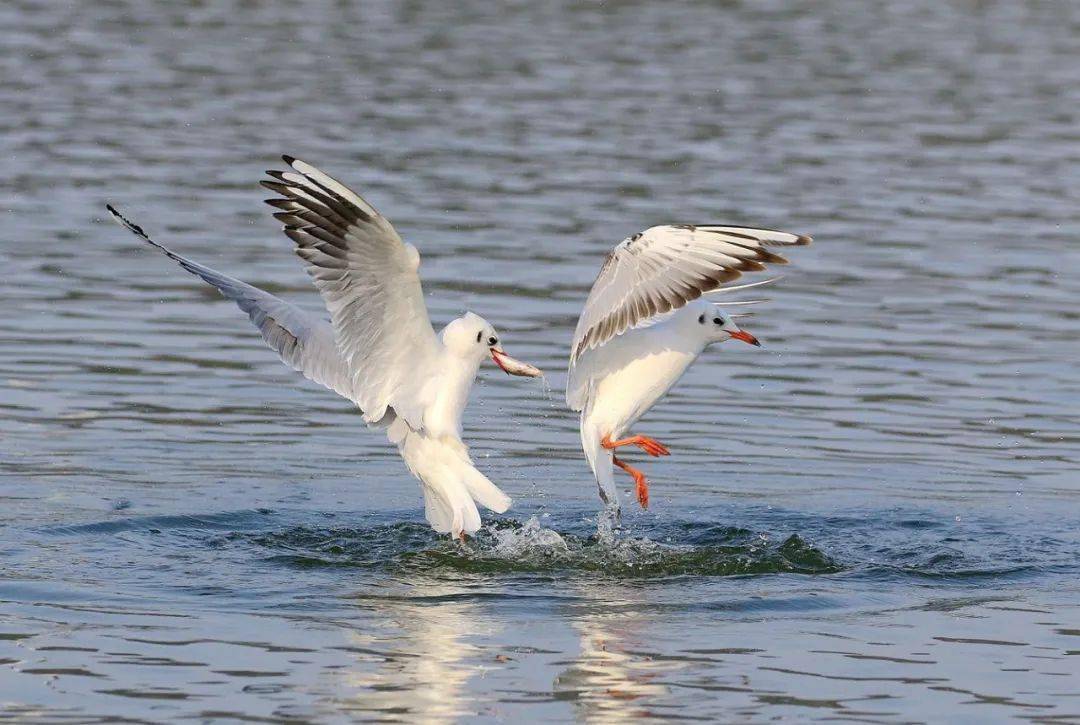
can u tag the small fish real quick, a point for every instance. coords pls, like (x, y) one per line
(512, 366)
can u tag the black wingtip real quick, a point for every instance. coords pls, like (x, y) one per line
(128, 224)
(288, 159)
(120, 217)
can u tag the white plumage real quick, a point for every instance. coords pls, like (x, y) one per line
(379, 349)
(644, 323)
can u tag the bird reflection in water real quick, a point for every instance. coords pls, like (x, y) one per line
(612, 680)
(422, 669)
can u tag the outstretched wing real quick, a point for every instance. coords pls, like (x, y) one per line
(304, 342)
(663, 268)
(367, 277)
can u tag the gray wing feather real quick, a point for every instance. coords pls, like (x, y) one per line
(367, 277)
(302, 341)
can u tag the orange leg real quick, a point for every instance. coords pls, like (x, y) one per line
(641, 487)
(650, 445)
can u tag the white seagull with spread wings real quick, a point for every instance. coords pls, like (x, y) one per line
(645, 322)
(378, 349)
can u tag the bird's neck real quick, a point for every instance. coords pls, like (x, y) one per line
(456, 377)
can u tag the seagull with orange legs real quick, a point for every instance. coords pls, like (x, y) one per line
(646, 321)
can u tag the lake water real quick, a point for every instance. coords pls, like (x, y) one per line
(874, 518)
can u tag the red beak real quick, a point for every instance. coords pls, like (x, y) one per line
(745, 337)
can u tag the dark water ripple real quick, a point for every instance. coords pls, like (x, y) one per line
(508, 547)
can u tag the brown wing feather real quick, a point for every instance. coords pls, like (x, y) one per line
(664, 268)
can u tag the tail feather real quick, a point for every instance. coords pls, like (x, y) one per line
(437, 510)
(486, 493)
(449, 508)
(452, 485)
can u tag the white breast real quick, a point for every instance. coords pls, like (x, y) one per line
(624, 395)
(448, 393)
(617, 383)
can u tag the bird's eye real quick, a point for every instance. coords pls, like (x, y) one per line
(701, 320)
(493, 341)
(718, 320)
(479, 335)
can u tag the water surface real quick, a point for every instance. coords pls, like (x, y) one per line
(872, 519)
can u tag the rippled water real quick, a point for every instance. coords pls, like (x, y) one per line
(874, 518)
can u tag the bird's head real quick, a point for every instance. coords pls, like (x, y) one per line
(717, 325)
(472, 338)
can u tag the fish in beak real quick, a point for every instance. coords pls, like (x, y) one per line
(745, 337)
(511, 366)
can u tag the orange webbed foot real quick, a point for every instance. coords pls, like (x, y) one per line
(641, 486)
(650, 445)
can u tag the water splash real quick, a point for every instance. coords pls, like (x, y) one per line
(513, 547)
(608, 522)
(511, 542)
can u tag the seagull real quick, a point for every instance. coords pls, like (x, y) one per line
(378, 349)
(645, 322)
